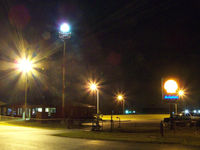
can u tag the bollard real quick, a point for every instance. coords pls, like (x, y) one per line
(111, 122)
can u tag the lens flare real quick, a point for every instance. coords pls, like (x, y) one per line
(119, 96)
(181, 93)
(93, 87)
(24, 65)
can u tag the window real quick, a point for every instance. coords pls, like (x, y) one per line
(46, 109)
(39, 109)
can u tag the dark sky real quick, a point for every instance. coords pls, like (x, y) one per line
(129, 45)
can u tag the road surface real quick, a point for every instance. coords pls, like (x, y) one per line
(24, 138)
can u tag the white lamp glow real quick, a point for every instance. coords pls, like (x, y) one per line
(64, 28)
(24, 65)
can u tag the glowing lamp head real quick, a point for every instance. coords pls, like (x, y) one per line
(120, 97)
(24, 65)
(93, 87)
(64, 28)
(171, 86)
(181, 93)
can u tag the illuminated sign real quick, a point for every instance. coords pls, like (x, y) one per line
(170, 87)
(171, 97)
(130, 112)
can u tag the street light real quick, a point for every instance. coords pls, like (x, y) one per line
(25, 66)
(181, 93)
(65, 28)
(120, 98)
(94, 87)
(64, 34)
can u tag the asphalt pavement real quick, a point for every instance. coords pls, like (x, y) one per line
(24, 138)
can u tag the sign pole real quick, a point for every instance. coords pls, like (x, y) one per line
(176, 109)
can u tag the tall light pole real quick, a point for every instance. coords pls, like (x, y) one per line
(94, 87)
(120, 98)
(25, 66)
(64, 34)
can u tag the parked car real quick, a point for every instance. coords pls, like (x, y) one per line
(182, 120)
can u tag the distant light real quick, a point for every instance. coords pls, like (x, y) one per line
(171, 86)
(64, 28)
(134, 111)
(199, 111)
(195, 111)
(170, 97)
(120, 96)
(126, 112)
(186, 111)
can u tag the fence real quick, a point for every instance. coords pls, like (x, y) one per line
(129, 123)
(148, 124)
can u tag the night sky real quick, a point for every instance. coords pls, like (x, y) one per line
(126, 45)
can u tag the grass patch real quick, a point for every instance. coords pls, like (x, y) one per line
(135, 137)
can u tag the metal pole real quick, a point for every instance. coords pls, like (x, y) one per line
(176, 108)
(123, 106)
(63, 81)
(97, 102)
(97, 107)
(26, 87)
(170, 109)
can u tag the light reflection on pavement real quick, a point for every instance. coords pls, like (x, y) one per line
(24, 138)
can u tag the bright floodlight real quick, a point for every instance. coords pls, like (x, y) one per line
(93, 86)
(64, 28)
(120, 97)
(195, 111)
(171, 86)
(24, 65)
